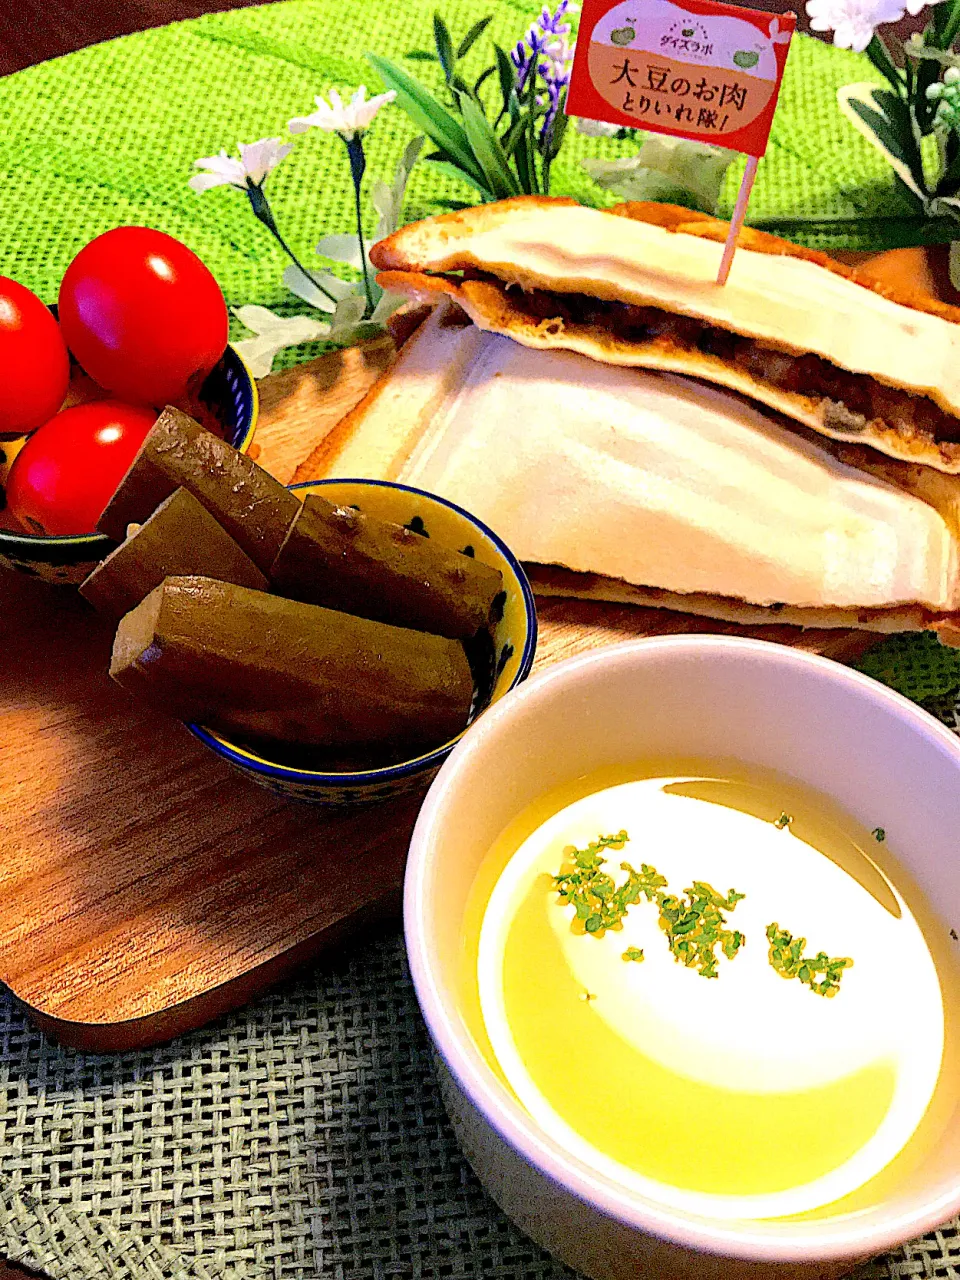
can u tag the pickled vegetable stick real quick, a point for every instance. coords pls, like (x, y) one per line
(257, 665)
(252, 507)
(180, 538)
(340, 558)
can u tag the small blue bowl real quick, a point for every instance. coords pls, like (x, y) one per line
(230, 394)
(508, 655)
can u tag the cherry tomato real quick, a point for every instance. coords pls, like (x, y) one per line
(70, 468)
(34, 365)
(143, 315)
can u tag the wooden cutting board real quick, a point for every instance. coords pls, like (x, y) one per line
(144, 887)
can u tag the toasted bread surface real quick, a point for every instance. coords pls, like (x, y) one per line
(667, 261)
(491, 306)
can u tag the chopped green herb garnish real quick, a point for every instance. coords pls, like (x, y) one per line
(599, 903)
(787, 958)
(879, 834)
(783, 821)
(696, 927)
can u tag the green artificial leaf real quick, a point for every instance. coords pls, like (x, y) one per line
(859, 103)
(274, 334)
(381, 197)
(928, 73)
(431, 116)
(508, 79)
(388, 304)
(530, 164)
(481, 80)
(315, 287)
(898, 113)
(401, 176)
(909, 72)
(473, 35)
(879, 55)
(461, 86)
(348, 315)
(917, 47)
(487, 148)
(445, 54)
(937, 27)
(522, 158)
(944, 207)
(342, 248)
(421, 55)
(454, 171)
(560, 123)
(388, 200)
(512, 137)
(944, 26)
(671, 170)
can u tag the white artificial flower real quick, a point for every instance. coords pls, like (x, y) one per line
(914, 6)
(274, 334)
(853, 21)
(597, 128)
(257, 159)
(345, 118)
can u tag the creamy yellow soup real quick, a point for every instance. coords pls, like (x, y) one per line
(745, 1094)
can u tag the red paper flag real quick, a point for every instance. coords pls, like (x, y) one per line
(703, 70)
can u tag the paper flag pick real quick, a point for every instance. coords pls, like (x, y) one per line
(703, 70)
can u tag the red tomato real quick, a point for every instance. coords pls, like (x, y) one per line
(143, 315)
(34, 365)
(70, 468)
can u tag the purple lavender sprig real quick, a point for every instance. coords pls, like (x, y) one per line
(555, 74)
(546, 51)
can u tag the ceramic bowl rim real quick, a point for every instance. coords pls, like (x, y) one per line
(36, 542)
(253, 763)
(504, 1116)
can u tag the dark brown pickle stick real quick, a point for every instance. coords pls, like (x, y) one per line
(249, 663)
(249, 504)
(340, 558)
(181, 537)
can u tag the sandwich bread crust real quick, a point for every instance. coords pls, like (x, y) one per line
(588, 502)
(844, 357)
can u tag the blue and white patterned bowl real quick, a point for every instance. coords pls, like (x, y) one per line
(513, 641)
(230, 394)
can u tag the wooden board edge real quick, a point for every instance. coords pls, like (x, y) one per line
(198, 1011)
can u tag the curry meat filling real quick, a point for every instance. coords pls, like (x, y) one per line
(851, 400)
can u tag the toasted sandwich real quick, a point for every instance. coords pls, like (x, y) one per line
(622, 484)
(636, 286)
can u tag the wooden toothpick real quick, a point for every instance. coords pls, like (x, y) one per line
(736, 222)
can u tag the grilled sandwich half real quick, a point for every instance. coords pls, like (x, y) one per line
(618, 483)
(635, 286)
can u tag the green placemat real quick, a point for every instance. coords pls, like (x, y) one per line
(304, 1136)
(300, 1139)
(916, 665)
(108, 136)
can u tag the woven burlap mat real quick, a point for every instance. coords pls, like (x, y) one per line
(301, 1137)
(304, 1136)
